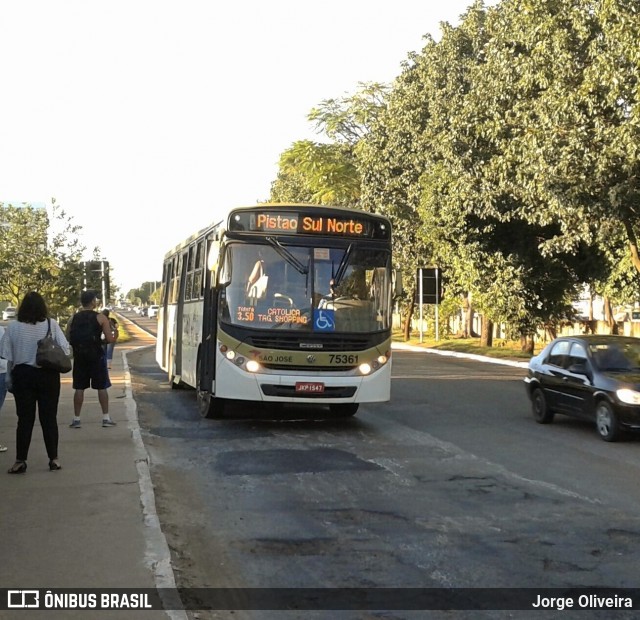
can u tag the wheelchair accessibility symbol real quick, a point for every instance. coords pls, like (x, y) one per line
(323, 320)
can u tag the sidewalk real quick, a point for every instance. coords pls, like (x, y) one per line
(93, 523)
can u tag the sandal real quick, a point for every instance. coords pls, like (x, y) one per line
(19, 467)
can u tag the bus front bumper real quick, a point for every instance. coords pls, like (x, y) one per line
(235, 383)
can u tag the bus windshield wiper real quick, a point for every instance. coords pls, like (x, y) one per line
(290, 258)
(342, 267)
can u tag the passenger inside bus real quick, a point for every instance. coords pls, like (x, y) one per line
(258, 279)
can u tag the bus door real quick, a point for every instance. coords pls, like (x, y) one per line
(177, 345)
(207, 369)
(167, 279)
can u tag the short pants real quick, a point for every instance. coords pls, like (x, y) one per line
(90, 373)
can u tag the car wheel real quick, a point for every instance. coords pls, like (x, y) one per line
(607, 422)
(541, 412)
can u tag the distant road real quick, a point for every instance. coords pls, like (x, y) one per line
(149, 325)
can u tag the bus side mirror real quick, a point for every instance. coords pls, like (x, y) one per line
(397, 282)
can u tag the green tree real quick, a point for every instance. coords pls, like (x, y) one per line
(462, 160)
(400, 152)
(559, 101)
(327, 173)
(318, 173)
(148, 291)
(42, 253)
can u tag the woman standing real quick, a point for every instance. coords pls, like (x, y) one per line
(33, 386)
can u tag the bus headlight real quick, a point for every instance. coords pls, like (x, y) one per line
(253, 366)
(230, 354)
(382, 359)
(364, 369)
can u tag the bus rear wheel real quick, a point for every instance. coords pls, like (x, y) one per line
(344, 410)
(209, 406)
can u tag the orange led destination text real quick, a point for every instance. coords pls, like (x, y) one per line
(329, 225)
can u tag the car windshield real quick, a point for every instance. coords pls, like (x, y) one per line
(618, 356)
(273, 286)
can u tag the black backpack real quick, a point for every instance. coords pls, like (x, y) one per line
(84, 336)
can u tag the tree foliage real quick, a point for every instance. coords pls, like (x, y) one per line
(40, 251)
(507, 153)
(327, 172)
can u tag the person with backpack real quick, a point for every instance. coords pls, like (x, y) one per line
(89, 365)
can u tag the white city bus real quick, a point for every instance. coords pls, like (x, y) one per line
(283, 303)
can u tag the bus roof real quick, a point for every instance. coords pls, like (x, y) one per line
(189, 240)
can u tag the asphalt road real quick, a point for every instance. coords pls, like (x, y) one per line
(452, 484)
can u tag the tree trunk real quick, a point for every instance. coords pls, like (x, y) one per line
(468, 318)
(608, 316)
(526, 343)
(486, 337)
(407, 321)
(633, 244)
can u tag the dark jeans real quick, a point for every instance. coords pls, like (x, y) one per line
(36, 386)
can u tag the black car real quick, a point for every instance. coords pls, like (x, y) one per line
(590, 377)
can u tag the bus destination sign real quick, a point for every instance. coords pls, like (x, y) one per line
(293, 223)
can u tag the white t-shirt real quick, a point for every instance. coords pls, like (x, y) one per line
(20, 341)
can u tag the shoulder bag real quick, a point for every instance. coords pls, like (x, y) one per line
(51, 355)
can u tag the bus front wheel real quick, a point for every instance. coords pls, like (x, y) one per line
(210, 406)
(344, 410)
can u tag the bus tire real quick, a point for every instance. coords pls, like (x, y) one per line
(209, 406)
(344, 410)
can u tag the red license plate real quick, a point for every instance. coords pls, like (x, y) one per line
(309, 387)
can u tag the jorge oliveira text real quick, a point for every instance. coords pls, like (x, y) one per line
(584, 601)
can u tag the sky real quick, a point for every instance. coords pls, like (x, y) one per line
(147, 120)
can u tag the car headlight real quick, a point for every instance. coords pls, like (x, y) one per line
(630, 397)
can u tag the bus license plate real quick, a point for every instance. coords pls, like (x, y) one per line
(309, 387)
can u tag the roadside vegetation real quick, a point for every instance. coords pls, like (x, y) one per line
(506, 153)
(501, 349)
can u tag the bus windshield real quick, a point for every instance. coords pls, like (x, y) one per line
(318, 289)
